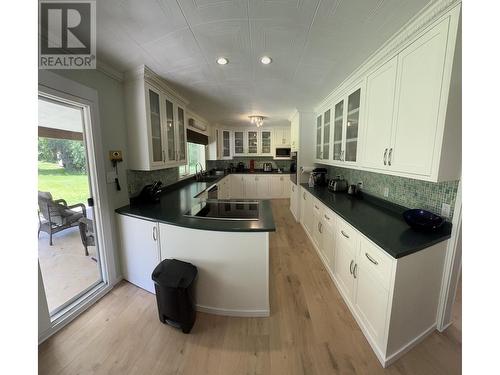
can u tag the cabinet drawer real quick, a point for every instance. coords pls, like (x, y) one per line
(372, 259)
(347, 234)
(317, 208)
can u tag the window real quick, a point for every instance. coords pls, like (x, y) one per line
(196, 154)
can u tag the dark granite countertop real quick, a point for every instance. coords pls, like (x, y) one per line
(178, 198)
(260, 171)
(382, 222)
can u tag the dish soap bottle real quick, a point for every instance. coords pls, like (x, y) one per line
(311, 181)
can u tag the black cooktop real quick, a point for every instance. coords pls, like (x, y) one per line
(225, 210)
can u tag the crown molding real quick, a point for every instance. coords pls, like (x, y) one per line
(431, 13)
(110, 71)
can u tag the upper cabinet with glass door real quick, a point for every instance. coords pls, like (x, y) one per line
(252, 142)
(322, 136)
(346, 126)
(181, 137)
(239, 142)
(155, 122)
(266, 143)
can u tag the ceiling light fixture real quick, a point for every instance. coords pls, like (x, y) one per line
(222, 60)
(266, 60)
(257, 120)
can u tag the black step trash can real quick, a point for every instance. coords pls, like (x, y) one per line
(174, 286)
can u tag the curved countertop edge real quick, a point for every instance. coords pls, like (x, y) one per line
(399, 242)
(176, 199)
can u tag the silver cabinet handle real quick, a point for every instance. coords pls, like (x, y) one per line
(344, 234)
(304, 195)
(350, 267)
(371, 259)
(385, 157)
(390, 157)
(155, 235)
(316, 207)
(326, 217)
(319, 227)
(354, 271)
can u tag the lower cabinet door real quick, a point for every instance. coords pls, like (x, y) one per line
(329, 238)
(306, 211)
(237, 187)
(250, 187)
(263, 187)
(276, 186)
(370, 303)
(139, 250)
(343, 267)
(317, 230)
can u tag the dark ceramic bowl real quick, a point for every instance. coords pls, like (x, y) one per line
(423, 220)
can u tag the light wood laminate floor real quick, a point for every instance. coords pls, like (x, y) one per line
(310, 330)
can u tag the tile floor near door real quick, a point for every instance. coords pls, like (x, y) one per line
(310, 330)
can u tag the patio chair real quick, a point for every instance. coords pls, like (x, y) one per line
(55, 215)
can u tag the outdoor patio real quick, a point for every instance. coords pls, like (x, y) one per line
(66, 271)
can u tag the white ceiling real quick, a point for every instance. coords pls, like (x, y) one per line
(314, 44)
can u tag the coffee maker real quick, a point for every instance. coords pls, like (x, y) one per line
(319, 176)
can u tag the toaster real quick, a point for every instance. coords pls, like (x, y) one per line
(337, 184)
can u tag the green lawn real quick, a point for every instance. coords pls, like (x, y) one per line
(74, 188)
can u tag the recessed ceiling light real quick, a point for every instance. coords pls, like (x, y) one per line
(222, 61)
(266, 60)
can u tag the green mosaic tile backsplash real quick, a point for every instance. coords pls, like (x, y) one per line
(137, 179)
(406, 192)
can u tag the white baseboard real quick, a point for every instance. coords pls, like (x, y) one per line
(403, 350)
(231, 312)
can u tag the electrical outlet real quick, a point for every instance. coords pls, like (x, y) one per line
(445, 210)
(386, 192)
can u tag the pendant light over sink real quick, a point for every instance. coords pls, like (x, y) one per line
(257, 120)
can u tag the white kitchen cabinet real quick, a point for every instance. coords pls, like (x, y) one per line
(239, 142)
(403, 104)
(139, 250)
(252, 138)
(294, 200)
(328, 237)
(263, 186)
(266, 143)
(224, 188)
(317, 224)
(226, 144)
(306, 210)
(279, 187)
(323, 136)
(155, 122)
(345, 257)
(345, 130)
(237, 186)
(394, 306)
(417, 104)
(379, 108)
(281, 137)
(250, 186)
